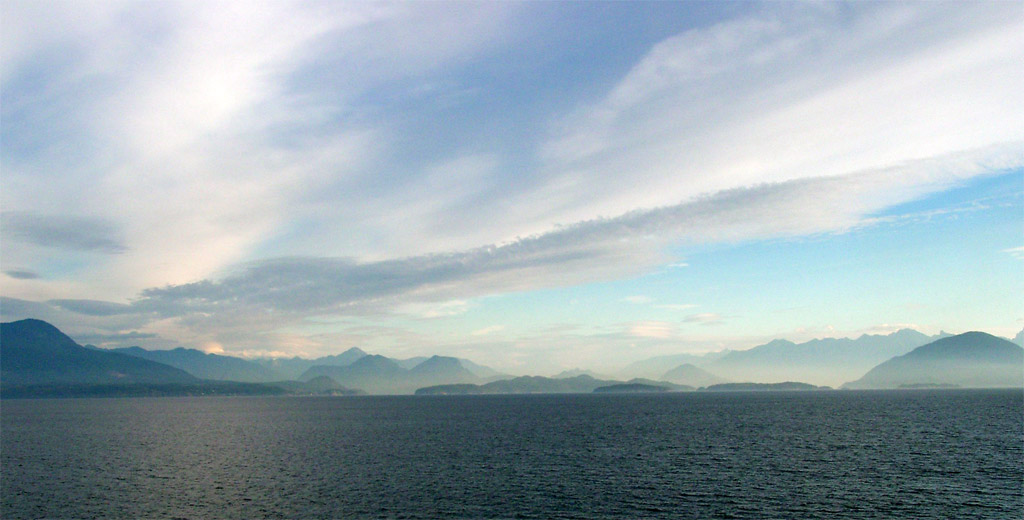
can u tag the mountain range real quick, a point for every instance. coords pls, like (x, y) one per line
(36, 359)
(381, 375)
(292, 368)
(205, 366)
(826, 361)
(265, 370)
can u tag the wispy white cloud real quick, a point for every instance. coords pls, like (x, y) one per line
(638, 299)
(652, 329)
(748, 101)
(434, 310)
(1016, 252)
(487, 330)
(200, 121)
(704, 318)
(231, 130)
(93, 307)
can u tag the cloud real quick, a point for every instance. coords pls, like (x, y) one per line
(487, 330)
(889, 328)
(639, 299)
(652, 329)
(588, 251)
(212, 347)
(435, 310)
(74, 233)
(243, 133)
(799, 91)
(114, 340)
(704, 318)
(106, 324)
(221, 127)
(93, 307)
(16, 309)
(1016, 252)
(22, 274)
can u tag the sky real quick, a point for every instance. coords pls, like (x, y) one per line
(531, 185)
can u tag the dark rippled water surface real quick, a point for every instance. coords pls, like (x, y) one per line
(914, 454)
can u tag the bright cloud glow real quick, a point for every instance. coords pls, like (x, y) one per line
(652, 329)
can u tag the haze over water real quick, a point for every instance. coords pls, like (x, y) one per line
(892, 454)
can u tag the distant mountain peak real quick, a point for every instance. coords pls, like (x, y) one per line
(479, 370)
(971, 359)
(968, 342)
(905, 334)
(692, 375)
(440, 369)
(375, 360)
(909, 333)
(573, 372)
(35, 326)
(438, 362)
(35, 352)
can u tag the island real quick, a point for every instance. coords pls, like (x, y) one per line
(631, 388)
(763, 387)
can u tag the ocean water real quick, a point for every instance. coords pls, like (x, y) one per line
(907, 454)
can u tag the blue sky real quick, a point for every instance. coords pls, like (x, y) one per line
(532, 185)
